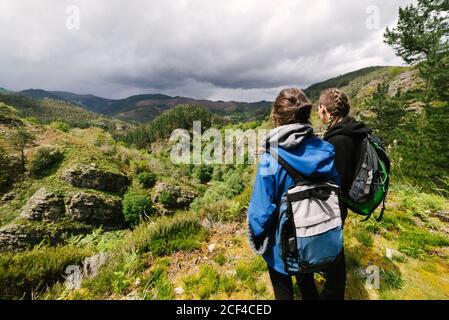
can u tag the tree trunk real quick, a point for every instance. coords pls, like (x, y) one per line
(22, 158)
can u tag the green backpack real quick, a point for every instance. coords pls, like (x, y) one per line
(371, 180)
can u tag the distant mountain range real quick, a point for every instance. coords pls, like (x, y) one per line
(143, 108)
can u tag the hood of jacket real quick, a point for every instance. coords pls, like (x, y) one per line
(305, 152)
(348, 127)
(289, 136)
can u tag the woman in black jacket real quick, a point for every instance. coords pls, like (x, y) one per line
(346, 135)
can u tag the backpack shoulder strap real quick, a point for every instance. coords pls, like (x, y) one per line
(290, 170)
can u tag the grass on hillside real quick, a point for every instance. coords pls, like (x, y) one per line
(185, 266)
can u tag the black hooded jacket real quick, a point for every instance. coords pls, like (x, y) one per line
(346, 137)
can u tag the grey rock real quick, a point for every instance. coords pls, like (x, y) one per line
(26, 235)
(43, 206)
(95, 210)
(89, 176)
(416, 107)
(405, 81)
(18, 238)
(9, 196)
(179, 291)
(443, 216)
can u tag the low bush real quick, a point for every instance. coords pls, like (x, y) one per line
(59, 125)
(249, 273)
(44, 160)
(203, 173)
(147, 179)
(156, 285)
(204, 284)
(136, 206)
(25, 274)
(364, 237)
(220, 259)
(246, 272)
(179, 233)
(390, 280)
(167, 199)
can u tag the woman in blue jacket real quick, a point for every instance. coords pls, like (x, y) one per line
(294, 141)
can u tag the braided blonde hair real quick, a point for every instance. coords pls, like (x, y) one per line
(336, 103)
(291, 106)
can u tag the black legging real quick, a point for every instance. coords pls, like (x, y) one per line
(334, 288)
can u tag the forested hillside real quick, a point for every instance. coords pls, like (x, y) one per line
(60, 113)
(145, 107)
(180, 117)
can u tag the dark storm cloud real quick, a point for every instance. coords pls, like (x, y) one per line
(243, 50)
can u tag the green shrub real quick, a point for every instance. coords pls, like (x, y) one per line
(250, 272)
(59, 125)
(364, 237)
(26, 273)
(247, 272)
(167, 198)
(234, 184)
(413, 200)
(390, 280)
(228, 284)
(136, 206)
(220, 259)
(205, 284)
(44, 160)
(147, 179)
(217, 173)
(215, 204)
(138, 166)
(157, 286)
(203, 173)
(234, 212)
(98, 240)
(171, 234)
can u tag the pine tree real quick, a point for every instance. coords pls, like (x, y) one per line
(20, 139)
(422, 37)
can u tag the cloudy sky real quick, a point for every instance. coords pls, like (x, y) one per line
(244, 50)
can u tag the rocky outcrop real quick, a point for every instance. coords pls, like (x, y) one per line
(95, 210)
(89, 176)
(405, 81)
(19, 237)
(9, 196)
(47, 217)
(417, 107)
(44, 206)
(172, 196)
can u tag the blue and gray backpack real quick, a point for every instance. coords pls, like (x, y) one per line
(309, 226)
